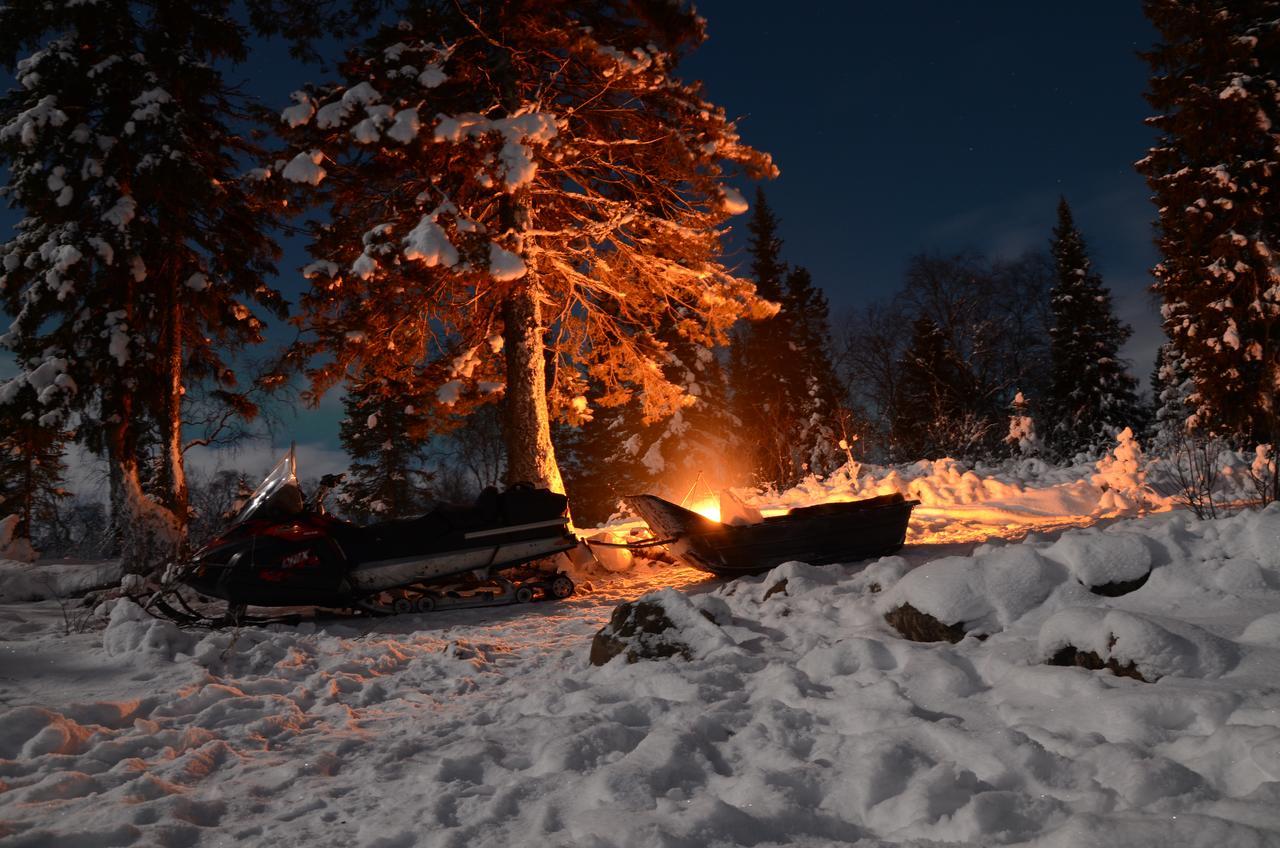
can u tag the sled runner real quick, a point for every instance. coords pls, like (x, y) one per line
(282, 550)
(818, 535)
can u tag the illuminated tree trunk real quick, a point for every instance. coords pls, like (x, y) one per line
(530, 455)
(174, 478)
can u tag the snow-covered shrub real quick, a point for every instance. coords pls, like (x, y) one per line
(1122, 475)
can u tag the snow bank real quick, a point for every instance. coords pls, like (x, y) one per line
(23, 581)
(797, 717)
(132, 630)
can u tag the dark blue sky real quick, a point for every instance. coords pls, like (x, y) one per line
(914, 126)
(909, 127)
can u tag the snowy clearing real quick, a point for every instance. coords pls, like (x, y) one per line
(806, 720)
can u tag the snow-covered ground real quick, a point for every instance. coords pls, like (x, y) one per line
(804, 719)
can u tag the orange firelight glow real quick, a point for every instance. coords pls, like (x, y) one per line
(708, 507)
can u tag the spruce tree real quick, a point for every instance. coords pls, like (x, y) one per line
(1171, 389)
(811, 379)
(383, 433)
(1091, 395)
(143, 249)
(759, 355)
(1215, 176)
(32, 467)
(521, 193)
(1022, 440)
(930, 418)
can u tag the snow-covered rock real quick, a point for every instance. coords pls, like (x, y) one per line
(660, 625)
(983, 593)
(1098, 558)
(1157, 646)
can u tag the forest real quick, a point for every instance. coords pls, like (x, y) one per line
(517, 218)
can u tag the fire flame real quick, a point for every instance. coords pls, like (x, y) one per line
(708, 507)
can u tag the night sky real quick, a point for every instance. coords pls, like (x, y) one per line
(902, 128)
(911, 127)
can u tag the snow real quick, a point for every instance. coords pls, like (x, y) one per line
(1157, 646)
(27, 125)
(505, 266)
(449, 392)
(406, 126)
(432, 76)
(25, 581)
(801, 717)
(301, 112)
(319, 267)
(733, 202)
(429, 244)
(364, 267)
(305, 168)
(1096, 558)
(121, 213)
(516, 157)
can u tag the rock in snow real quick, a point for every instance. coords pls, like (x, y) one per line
(661, 625)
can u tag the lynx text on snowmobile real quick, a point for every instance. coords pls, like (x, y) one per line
(282, 550)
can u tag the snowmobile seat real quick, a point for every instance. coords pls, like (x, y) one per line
(447, 525)
(523, 504)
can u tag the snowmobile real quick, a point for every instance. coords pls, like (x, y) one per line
(283, 550)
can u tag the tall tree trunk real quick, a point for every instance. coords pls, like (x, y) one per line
(174, 475)
(530, 455)
(150, 533)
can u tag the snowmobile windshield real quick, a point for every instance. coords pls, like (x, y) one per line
(284, 474)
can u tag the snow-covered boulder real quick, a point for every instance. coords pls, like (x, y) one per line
(797, 578)
(1128, 641)
(981, 594)
(1107, 563)
(663, 624)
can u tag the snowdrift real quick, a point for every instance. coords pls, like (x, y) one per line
(795, 715)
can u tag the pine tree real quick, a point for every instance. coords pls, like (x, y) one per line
(930, 418)
(758, 357)
(811, 379)
(1215, 175)
(383, 434)
(143, 248)
(1022, 440)
(1091, 396)
(32, 467)
(524, 179)
(1171, 388)
(784, 386)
